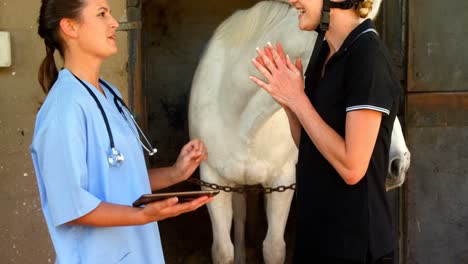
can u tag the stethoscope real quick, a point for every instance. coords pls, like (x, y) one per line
(116, 157)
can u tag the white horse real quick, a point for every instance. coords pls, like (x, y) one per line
(247, 132)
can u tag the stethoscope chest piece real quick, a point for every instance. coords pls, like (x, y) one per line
(116, 158)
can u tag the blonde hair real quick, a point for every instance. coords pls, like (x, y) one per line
(363, 8)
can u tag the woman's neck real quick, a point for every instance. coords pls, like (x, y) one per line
(342, 23)
(86, 69)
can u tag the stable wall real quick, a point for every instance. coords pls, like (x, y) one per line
(436, 196)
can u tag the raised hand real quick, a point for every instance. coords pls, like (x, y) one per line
(190, 157)
(281, 53)
(285, 81)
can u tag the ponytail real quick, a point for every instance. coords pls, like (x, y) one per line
(364, 8)
(52, 11)
(48, 71)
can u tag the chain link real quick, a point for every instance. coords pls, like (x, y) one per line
(244, 189)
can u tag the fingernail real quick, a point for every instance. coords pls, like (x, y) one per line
(257, 48)
(269, 44)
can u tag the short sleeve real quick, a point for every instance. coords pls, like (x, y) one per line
(370, 83)
(59, 156)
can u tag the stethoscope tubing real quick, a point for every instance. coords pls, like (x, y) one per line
(116, 157)
(104, 116)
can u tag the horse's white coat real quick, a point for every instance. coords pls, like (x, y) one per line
(246, 132)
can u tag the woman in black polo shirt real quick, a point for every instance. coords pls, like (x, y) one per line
(341, 117)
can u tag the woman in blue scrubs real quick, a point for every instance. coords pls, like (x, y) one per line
(87, 152)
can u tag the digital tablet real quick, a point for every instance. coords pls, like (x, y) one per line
(182, 196)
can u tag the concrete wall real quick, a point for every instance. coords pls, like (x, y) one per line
(437, 187)
(23, 233)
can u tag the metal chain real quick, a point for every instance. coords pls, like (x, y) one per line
(244, 189)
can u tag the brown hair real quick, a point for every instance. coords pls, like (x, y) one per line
(52, 11)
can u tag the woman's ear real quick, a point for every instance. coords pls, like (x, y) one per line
(68, 27)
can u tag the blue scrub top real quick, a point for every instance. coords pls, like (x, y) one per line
(70, 149)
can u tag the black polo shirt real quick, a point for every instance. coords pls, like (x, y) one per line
(333, 218)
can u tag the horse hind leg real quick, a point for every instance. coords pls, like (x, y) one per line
(240, 213)
(277, 211)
